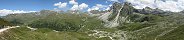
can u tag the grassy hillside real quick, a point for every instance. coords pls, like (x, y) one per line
(24, 33)
(4, 23)
(139, 24)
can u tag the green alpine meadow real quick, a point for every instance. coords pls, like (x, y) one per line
(121, 20)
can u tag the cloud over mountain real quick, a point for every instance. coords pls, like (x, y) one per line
(73, 2)
(6, 12)
(79, 7)
(75, 5)
(99, 7)
(167, 5)
(114, 0)
(60, 5)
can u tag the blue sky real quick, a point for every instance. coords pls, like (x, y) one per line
(37, 5)
(25, 6)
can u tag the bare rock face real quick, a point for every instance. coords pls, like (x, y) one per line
(148, 10)
(119, 14)
(127, 9)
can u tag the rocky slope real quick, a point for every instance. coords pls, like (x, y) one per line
(122, 22)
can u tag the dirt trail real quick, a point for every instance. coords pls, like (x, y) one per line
(4, 29)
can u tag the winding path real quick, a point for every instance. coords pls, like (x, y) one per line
(4, 29)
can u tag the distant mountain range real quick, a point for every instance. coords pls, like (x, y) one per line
(121, 22)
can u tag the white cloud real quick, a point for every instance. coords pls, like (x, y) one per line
(60, 5)
(167, 5)
(108, 8)
(83, 6)
(114, 0)
(79, 7)
(89, 9)
(99, 7)
(6, 12)
(75, 7)
(73, 2)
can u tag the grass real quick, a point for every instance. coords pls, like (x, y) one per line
(176, 34)
(77, 27)
(24, 33)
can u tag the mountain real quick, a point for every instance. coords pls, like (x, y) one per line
(144, 24)
(121, 22)
(25, 18)
(125, 13)
(119, 14)
(4, 23)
